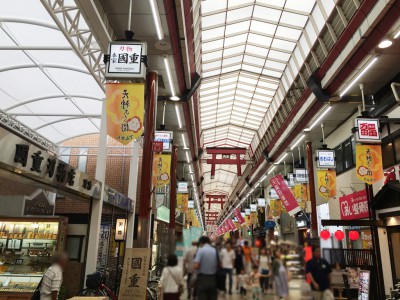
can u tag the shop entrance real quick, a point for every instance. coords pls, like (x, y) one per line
(394, 247)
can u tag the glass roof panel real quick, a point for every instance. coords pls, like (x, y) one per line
(294, 19)
(234, 50)
(261, 40)
(213, 20)
(239, 14)
(213, 33)
(262, 27)
(266, 13)
(235, 40)
(287, 33)
(237, 28)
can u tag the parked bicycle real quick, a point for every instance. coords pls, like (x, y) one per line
(96, 285)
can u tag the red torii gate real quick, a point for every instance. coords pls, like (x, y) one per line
(226, 160)
(215, 199)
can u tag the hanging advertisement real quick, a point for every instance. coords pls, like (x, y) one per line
(286, 196)
(238, 216)
(290, 179)
(248, 221)
(253, 218)
(369, 163)
(326, 181)
(230, 224)
(300, 175)
(253, 207)
(182, 202)
(354, 206)
(161, 170)
(165, 137)
(326, 159)
(247, 211)
(190, 204)
(261, 202)
(273, 194)
(300, 193)
(125, 111)
(134, 274)
(366, 239)
(182, 187)
(275, 208)
(368, 130)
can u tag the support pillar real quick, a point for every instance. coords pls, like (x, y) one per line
(147, 165)
(97, 206)
(132, 189)
(172, 199)
(311, 184)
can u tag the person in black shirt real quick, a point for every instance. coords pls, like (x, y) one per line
(318, 270)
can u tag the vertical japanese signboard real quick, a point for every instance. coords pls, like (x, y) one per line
(367, 131)
(300, 193)
(369, 163)
(125, 111)
(275, 208)
(161, 170)
(239, 216)
(134, 275)
(326, 158)
(354, 206)
(182, 202)
(326, 180)
(286, 196)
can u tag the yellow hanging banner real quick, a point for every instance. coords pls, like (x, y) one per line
(326, 183)
(300, 193)
(189, 215)
(275, 207)
(369, 163)
(182, 202)
(248, 220)
(161, 170)
(125, 111)
(253, 218)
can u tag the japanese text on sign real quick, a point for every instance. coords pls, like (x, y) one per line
(367, 130)
(126, 60)
(301, 175)
(326, 158)
(354, 206)
(284, 193)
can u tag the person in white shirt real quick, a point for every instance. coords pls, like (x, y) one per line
(228, 261)
(52, 278)
(171, 279)
(188, 270)
(264, 264)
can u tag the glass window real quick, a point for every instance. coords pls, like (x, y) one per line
(339, 159)
(347, 155)
(388, 158)
(65, 154)
(82, 159)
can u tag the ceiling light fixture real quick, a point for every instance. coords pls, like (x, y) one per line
(263, 178)
(397, 34)
(156, 18)
(281, 159)
(385, 43)
(359, 76)
(319, 118)
(187, 157)
(190, 169)
(271, 170)
(174, 98)
(169, 75)
(184, 142)
(298, 141)
(178, 116)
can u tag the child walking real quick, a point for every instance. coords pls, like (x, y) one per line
(255, 282)
(243, 278)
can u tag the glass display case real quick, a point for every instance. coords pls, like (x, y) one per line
(26, 247)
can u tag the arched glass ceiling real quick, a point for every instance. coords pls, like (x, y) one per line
(251, 52)
(43, 82)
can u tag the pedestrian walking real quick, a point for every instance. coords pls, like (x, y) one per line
(280, 276)
(242, 280)
(318, 271)
(248, 262)
(207, 263)
(52, 279)
(239, 264)
(228, 261)
(188, 261)
(264, 265)
(171, 280)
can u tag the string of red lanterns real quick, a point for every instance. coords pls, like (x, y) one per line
(339, 235)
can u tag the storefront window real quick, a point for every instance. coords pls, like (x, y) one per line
(388, 158)
(345, 155)
(339, 158)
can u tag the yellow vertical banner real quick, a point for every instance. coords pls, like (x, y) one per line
(189, 215)
(125, 111)
(326, 180)
(161, 170)
(300, 193)
(248, 220)
(182, 202)
(275, 207)
(253, 218)
(369, 163)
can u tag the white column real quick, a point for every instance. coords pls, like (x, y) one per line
(132, 188)
(97, 206)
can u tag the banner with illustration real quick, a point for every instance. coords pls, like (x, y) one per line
(253, 218)
(369, 163)
(239, 216)
(285, 194)
(134, 274)
(326, 180)
(125, 111)
(161, 170)
(301, 195)
(275, 208)
(182, 202)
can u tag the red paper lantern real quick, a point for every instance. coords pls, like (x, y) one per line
(354, 235)
(325, 234)
(339, 235)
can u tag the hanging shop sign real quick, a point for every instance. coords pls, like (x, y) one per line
(134, 275)
(261, 202)
(364, 285)
(253, 218)
(286, 196)
(354, 206)
(275, 208)
(118, 199)
(290, 177)
(157, 147)
(38, 205)
(366, 239)
(269, 224)
(120, 230)
(190, 204)
(166, 138)
(182, 202)
(367, 131)
(301, 175)
(126, 60)
(50, 172)
(273, 194)
(247, 211)
(238, 216)
(326, 159)
(301, 195)
(253, 207)
(230, 224)
(326, 180)
(161, 170)
(182, 187)
(369, 163)
(302, 220)
(125, 111)
(163, 214)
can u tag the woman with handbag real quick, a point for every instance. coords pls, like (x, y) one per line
(172, 279)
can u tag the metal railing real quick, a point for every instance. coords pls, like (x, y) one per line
(349, 257)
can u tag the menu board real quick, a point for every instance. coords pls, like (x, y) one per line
(363, 291)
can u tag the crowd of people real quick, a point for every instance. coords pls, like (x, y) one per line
(211, 268)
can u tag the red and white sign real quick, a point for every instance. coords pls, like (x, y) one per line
(354, 206)
(239, 216)
(367, 130)
(231, 225)
(285, 194)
